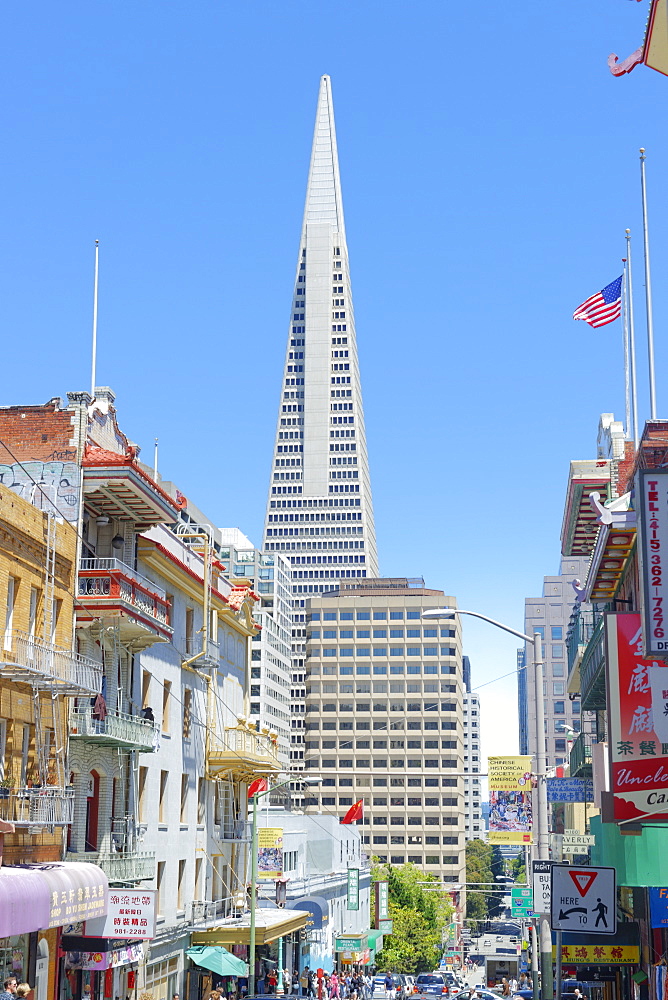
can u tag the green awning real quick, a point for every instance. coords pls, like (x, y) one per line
(639, 860)
(375, 943)
(217, 959)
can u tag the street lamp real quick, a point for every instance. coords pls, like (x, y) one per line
(251, 948)
(541, 814)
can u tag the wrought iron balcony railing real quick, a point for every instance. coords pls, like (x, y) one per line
(111, 584)
(48, 805)
(116, 729)
(581, 756)
(242, 750)
(28, 659)
(134, 866)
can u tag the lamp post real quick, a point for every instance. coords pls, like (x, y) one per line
(253, 900)
(540, 814)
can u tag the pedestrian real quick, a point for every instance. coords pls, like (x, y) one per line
(389, 987)
(505, 988)
(9, 988)
(287, 982)
(23, 989)
(272, 981)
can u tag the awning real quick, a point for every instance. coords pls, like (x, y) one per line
(375, 942)
(269, 925)
(217, 959)
(316, 906)
(37, 897)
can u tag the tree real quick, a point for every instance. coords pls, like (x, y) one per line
(419, 914)
(478, 870)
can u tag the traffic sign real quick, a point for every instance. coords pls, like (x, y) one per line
(521, 901)
(584, 900)
(542, 882)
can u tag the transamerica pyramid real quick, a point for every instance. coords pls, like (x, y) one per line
(319, 509)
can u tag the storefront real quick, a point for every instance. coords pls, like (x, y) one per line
(606, 962)
(38, 900)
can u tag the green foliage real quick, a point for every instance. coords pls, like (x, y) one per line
(518, 869)
(419, 914)
(483, 862)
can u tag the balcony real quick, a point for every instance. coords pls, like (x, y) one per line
(49, 667)
(194, 647)
(134, 866)
(117, 729)
(243, 752)
(580, 760)
(112, 591)
(580, 631)
(37, 807)
(592, 667)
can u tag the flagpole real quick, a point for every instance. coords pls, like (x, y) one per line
(632, 337)
(94, 349)
(648, 292)
(625, 338)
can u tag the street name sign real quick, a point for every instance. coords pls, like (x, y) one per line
(542, 884)
(584, 900)
(521, 901)
(577, 843)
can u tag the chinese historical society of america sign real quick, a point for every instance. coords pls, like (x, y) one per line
(638, 701)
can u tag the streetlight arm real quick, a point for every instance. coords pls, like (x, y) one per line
(442, 612)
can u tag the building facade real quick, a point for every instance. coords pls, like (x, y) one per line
(319, 507)
(474, 826)
(384, 709)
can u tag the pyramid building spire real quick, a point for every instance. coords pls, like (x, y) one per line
(319, 508)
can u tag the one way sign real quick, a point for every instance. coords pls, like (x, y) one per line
(584, 900)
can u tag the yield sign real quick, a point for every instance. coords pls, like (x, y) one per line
(583, 879)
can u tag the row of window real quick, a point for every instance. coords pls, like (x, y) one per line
(410, 725)
(378, 633)
(382, 651)
(382, 762)
(378, 616)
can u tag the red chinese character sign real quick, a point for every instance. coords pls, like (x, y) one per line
(131, 916)
(638, 710)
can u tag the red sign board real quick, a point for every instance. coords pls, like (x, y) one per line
(638, 707)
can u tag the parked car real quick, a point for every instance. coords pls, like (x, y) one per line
(476, 993)
(378, 988)
(431, 983)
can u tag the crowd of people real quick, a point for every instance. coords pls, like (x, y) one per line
(330, 986)
(13, 989)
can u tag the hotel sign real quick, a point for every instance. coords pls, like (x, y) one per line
(652, 505)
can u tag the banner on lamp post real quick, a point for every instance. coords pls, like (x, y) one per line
(269, 852)
(509, 773)
(509, 817)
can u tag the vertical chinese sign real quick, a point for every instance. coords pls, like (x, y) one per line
(510, 800)
(353, 889)
(382, 901)
(638, 713)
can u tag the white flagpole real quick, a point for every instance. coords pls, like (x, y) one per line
(155, 461)
(94, 351)
(625, 338)
(648, 293)
(632, 337)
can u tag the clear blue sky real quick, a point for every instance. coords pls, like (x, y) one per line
(489, 167)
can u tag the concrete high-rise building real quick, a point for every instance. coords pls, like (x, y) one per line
(319, 508)
(384, 719)
(474, 826)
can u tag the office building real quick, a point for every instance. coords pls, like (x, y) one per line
(384, 719)
(474, 826)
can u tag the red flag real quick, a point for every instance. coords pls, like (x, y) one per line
(355, 812)
(259, 785)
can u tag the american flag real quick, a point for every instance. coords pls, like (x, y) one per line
(602, 307)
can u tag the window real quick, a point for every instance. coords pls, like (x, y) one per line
(166, 692)
(412, 614)
(9, 612)
(160, 887)
(184, 798)
(380, 616)
(556, 632)
(559, 708)
(557, 670)
(380, 633)
(380, 840)
(560, 746)
(430, 633)
(363, 633)
(187, 712)
(180, 885)
(162, 800)
(32, 620)
(362, 616)
(557, 687)
(143, 775)
(145, 689)
(557, 652)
